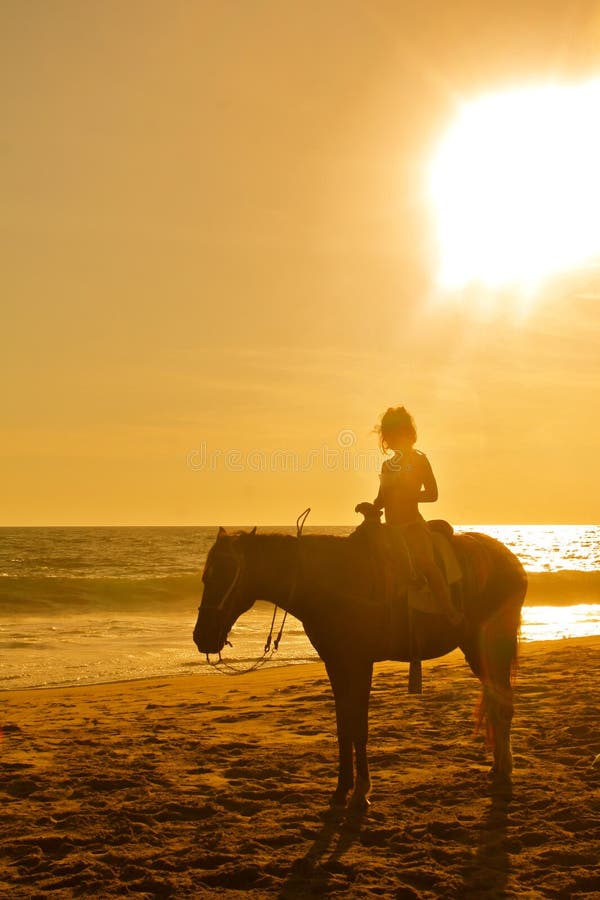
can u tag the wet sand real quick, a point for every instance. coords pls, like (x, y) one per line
(205, 786)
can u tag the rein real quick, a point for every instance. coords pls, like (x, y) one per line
(222, 666)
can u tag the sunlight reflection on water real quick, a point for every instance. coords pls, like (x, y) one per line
(548, 548)
(548, 623)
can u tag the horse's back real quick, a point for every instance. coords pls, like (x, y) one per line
(486, 560)
(372, 617)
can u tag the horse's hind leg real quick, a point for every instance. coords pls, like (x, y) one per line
(498, 653)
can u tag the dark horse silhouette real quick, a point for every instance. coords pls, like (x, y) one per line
(330, 584)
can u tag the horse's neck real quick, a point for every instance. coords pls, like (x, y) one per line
(274, 570)
(297, 574)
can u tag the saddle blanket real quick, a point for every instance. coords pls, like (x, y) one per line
(445, 552)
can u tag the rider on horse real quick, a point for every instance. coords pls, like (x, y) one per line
(406, 480)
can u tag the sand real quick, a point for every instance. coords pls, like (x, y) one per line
(208, 786)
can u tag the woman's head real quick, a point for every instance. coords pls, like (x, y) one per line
(396, 429)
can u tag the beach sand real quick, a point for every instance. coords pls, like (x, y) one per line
(205, 786)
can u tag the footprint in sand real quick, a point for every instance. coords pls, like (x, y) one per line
(21, 788)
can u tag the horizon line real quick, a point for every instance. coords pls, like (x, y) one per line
(287, 525)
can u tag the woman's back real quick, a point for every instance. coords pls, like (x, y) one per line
(401, 479)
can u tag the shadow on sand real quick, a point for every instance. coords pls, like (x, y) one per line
(312, 874)
(490, 867)
(486, 873)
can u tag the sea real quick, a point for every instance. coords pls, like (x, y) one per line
(85, 605)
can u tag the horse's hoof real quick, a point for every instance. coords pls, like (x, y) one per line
(501, 783)
(359, 805)
(338, 800)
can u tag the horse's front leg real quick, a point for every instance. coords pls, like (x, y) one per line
(362, 676)
(351, 683)
(343, 714)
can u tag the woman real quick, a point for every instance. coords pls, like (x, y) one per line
(406, 480)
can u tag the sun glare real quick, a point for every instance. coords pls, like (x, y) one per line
(515, 186)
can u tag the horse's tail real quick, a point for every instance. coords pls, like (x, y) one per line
(499, 581)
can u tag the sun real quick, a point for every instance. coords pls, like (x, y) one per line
(515, 187)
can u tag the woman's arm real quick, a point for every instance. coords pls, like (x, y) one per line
(379, 502)
(429, 490)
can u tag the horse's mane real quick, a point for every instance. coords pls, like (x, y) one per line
(279, 540)
(330, 548)
(309, 536)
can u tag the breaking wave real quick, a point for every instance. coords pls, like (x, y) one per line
(57, 596)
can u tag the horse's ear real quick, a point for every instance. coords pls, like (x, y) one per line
(221, 532)
(253, 530)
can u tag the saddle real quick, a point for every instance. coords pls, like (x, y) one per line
(383, 553)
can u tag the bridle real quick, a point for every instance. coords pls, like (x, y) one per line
(270, 645)
(238, 571)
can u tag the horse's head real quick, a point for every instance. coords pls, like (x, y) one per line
(225, 596)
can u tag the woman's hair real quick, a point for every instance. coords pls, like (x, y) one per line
(396, 420)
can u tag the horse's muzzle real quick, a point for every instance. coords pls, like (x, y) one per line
(210, 632)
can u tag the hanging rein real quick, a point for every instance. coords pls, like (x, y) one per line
(271, 645)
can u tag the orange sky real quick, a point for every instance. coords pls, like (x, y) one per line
(215, 238)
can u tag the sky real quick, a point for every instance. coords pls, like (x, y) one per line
(218, 265)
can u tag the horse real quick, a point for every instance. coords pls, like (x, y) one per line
(328, 582)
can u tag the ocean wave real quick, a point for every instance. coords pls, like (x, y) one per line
(47, 596)
(563, 588)
(55, 596)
